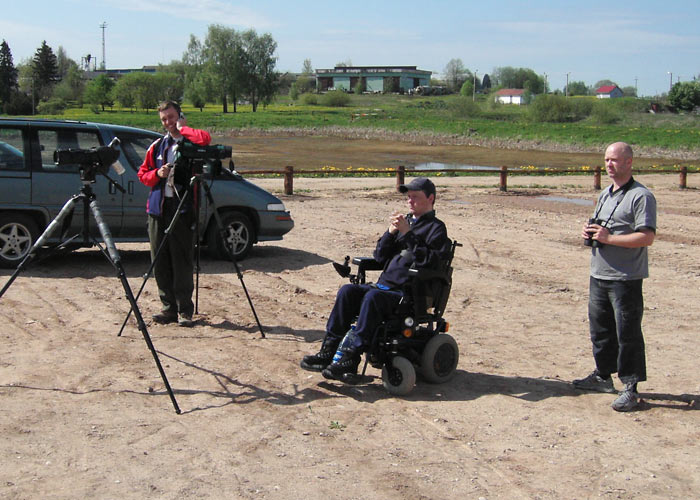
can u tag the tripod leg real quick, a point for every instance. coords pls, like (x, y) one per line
(197, 194)
(222, 232)
(65, 212)
(155, 258)
(116, 260)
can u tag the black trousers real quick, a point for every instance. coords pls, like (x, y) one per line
(369, 304)
(615, 310)
(174, 268)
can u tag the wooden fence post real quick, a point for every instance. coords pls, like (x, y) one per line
(400, 176)
(684, 178)
(596, 178)
(503, 179)
(289, 180)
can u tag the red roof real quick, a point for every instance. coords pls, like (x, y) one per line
(606, 89)
(510, 92)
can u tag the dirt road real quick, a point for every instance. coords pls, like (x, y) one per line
(84, 413)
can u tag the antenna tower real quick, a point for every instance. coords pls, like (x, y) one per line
(104, 62)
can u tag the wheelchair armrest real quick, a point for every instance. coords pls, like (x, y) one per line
(427, 274)
(367, 264)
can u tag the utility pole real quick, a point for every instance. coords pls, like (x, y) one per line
(670, 82)
(545, 82)
(474, 87)
(104, 62)
(567, 84)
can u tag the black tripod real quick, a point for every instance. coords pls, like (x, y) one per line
(195, 183)
(89, 201)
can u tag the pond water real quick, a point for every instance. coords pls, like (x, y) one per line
(453, 166)
(562, 199)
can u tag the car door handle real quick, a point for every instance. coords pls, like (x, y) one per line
(130, 187)
(112, 189)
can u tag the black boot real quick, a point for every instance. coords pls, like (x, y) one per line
(345, 368)
(317, 362)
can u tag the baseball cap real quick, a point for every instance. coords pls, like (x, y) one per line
(419, 184)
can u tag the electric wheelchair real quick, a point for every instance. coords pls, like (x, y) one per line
(414, 338)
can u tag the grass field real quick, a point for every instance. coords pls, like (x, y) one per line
(450, 115)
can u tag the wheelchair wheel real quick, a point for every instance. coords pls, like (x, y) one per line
(439, 359)
(399, 378)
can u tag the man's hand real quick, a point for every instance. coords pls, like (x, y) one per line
(591, 230)
(164, 171)
(181, 122)
(641, 238)
(398, 224)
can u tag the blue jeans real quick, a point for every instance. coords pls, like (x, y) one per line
(615, 310)
(365, 302)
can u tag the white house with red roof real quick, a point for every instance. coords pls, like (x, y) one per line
(608, 92)
(510, 96)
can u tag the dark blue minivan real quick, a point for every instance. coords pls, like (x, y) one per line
(33, 189)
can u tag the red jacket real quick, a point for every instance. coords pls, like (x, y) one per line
(148, 171)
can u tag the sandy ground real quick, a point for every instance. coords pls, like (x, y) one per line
(84, 413)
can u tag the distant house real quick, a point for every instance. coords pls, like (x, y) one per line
(372, 78)
(511, 96)
(608, 92)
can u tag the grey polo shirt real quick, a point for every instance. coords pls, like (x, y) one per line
(629, 209)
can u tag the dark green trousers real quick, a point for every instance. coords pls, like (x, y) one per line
(174, 267)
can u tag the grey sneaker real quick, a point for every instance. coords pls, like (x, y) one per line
(595, 382)
(185, 320)
(627, 400)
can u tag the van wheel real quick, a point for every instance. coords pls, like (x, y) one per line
(18, 233)
(239, 234)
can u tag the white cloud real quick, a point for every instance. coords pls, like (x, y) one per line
(210, 11)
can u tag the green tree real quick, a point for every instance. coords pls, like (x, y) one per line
(99, 92)
(307, 69)
(455, 74)
(167, 86)
(225, 61)
(467, 89)
(578, 88)
(486, 82)
(123, 91)
(63, 62)
(685, 96)
(603, 83)
(199, 90)
(45, 70)
(629, 91)
(518, 78)
(8, 73)
(259, 76)
(199, 83)
(72, 86)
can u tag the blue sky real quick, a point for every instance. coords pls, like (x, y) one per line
(620, 40)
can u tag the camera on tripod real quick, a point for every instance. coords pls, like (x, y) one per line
(92, 161)
(590, 242)
(192, 159)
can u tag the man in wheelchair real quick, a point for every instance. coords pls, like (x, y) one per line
(416, 241)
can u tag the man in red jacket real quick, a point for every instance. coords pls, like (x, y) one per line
(174, 267)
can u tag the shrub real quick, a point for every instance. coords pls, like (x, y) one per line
(309, 99)
(685, 96)
(464, 107)
(558, 109)
(336, 99)
(294, 91)
(605, 113)
(18, 104)
(54, 106)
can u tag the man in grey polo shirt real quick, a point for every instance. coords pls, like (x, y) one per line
(623, 226)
